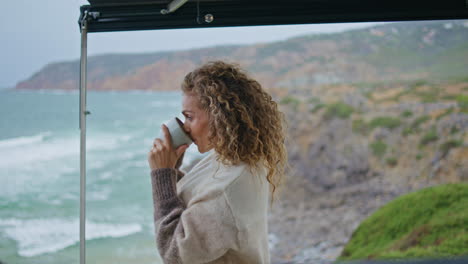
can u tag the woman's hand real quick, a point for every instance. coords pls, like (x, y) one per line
(163, 154)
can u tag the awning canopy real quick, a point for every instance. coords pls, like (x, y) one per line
(126, 15)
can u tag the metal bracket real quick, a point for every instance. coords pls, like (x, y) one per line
(87, 17)
(173, 6)
(84, 20)
(94, 15)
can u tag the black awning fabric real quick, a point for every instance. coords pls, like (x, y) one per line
(125, 15)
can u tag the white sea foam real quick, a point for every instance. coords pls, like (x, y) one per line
(24, 141)
(101, 194)
(33, 178)
(19, 151)
(102, 142)
(54, 202)
(106, 175)
(125, 138)
(48, 160)
(39, 236)
(34, 149)
(106, 141)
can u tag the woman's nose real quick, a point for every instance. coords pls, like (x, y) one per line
(186, 128)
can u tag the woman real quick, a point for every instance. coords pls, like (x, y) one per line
(217, 212)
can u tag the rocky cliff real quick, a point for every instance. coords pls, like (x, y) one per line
(353, 148)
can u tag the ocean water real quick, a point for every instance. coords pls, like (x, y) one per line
(40, 177)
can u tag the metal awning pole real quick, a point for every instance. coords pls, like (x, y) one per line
(83, 113)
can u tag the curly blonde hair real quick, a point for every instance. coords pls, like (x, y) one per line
(245, 123)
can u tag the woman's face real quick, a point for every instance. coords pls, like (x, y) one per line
(196, 122)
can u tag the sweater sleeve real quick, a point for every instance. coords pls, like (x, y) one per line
(180, 175)
(200, 233)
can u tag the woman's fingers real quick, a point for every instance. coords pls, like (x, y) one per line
(158, 144)
(162, 155)
(157, 141)
(180, 150)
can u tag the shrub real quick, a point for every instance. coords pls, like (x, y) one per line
(402, 93)
(392, 161)
(462, 101)
(454, 130)
(317, 107)
(450, 97)
(360, 126)
(448, 145)
(418, 121)
(419, 156)
(418, 83)
(414, 127)
(447, 112)
(313, 100)
(407, 113)
(340, 110)
(378, 148)
(290, 100)
(428, 97)
(430, 136)
(385, 121)
(407, 130)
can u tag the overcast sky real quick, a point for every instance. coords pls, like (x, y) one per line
(35, 33)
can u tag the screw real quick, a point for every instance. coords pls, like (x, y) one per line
(209, 18)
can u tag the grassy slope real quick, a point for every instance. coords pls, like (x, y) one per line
(432, 222)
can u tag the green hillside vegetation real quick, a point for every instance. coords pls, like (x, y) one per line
(339, 110)
(438, 51)
(407, 113)
(448, 145)
(378, 148)
(414, 133)
(360, 126)
(290, 100)
(385, 121)
(446, 113)
(429, 137)
(462, 101)
(429, 223)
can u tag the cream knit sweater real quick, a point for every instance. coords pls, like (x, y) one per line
(214, 214)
